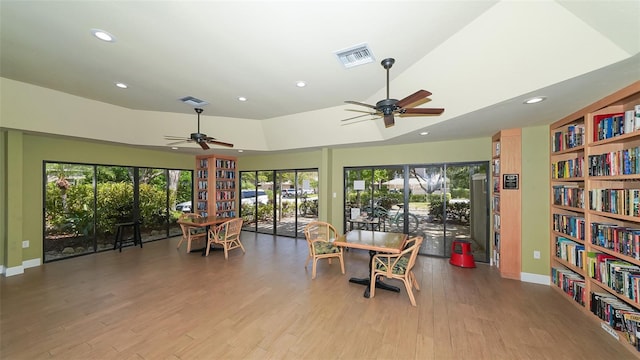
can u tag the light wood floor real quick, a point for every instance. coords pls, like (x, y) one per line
(160, 303)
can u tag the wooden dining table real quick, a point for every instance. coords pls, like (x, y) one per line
(375, 242)
(204, 222)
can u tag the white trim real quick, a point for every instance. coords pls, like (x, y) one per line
(31, 263)
(535, 278)
(16, 270)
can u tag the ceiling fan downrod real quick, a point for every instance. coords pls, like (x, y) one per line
(387, 64)
(199, 111)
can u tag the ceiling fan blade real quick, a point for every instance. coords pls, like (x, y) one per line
(360, 111)
(418, 95)
(359, 103)
(389, 121)
(216, 142)
(359, 116)
(178, 142)
(203, 145)
(425, 111)
(357, 121)
(175, 138)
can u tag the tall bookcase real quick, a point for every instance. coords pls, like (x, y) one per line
(505, 201)
(595, 220)
(216, 186)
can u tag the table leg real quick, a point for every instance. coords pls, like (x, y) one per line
(367, 281)
(206, 240)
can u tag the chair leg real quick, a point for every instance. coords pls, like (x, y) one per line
(241, 247)
(208, 245)
(313, 268)
(180, 242)
(341, 264)
(226, 251)
(407, 284)
(306, 263)
(414, 281)
(372, 286)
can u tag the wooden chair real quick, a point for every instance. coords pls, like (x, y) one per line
(226, 234)
(397, 266)
(320, 236)
(190, 233)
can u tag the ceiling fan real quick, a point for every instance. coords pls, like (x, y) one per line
(389, 107)
(202, 139)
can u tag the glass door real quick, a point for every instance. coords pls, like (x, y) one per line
(115, 201)
(180, 197)
(248, 208)
(154, 212)
(306, 198)
(69, 210)
(285, 203)
(467, 208)
(263, 201)
(427, 191)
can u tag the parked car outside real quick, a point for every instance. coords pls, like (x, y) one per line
(184, 206)
(249, 197)
(305, 191)
(288, 193)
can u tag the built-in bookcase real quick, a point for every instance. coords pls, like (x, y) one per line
(216, 186)
(595, 220)
(506, 202)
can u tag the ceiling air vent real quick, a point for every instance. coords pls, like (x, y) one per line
(355, 56)
(195, 102)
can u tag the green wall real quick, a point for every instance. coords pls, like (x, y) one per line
(536, 199)
(25, 155)
(3, 194)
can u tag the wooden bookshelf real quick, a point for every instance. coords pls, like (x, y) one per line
(595, 220)
(506, 202)
(216, 186)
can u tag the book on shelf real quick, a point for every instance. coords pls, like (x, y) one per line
(631, 327)
(567, 168)
(607, 126)
(570, 251)
(620, 162)
(571, 138)
(571, 225)
(570, 282)
(570, 194)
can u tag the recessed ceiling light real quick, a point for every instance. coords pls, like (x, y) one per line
(240, 150)
(424, 133)
(174, 148)
(103, 35)
(301, 84)
(535, 100)
(242, 98)
(121, 85)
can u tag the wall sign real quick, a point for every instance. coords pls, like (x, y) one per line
(510, 181)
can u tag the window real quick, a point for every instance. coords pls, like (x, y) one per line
(83, 202)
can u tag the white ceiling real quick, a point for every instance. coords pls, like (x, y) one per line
(480, 59)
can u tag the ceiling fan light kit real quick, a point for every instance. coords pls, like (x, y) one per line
(199, 138)
(388, 107)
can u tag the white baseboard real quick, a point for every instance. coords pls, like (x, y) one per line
(17, 270)
(31, 263)
(11, 271)
(535, 278)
